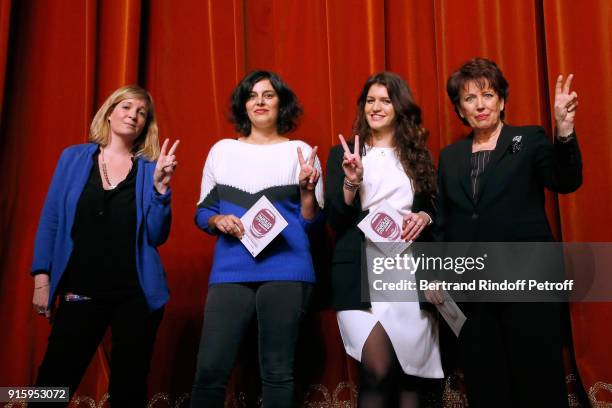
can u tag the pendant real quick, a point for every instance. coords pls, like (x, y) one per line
(111, 187)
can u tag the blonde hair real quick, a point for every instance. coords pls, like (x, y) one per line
(147, 143)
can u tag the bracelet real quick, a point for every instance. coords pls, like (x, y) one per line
(430, 220)
(350, 186)
(40, 287)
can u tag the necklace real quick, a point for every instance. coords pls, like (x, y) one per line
(111, 186)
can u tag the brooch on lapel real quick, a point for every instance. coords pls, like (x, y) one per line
(515, 147)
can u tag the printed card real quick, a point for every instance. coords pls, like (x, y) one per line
(262, 223)
(452, 314)
(383, 226)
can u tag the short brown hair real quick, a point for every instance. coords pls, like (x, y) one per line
(482, 71)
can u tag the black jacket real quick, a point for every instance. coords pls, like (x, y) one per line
(510, 203)
(349, 277)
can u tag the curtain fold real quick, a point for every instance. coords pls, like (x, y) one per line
(411, 51)
(43, 112)
(195, 57)
(5, 17)
(117, 46)
(59, 60)
(579, 42)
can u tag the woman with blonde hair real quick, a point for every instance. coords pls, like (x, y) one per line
(106, 212)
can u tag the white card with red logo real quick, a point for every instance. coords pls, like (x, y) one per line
(383, 226)
(262, 223)
(451, 313)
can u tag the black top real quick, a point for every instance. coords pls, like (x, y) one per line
(103, 260)
(479, 163)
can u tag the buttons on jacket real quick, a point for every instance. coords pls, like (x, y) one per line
(474, 216)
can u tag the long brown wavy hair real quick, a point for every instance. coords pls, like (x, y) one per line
(410, 137)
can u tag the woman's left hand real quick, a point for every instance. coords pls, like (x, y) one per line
(165, 167)
(566, 103)
(414, 224)
(309, 175)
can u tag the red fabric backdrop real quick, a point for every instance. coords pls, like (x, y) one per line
(59, 59)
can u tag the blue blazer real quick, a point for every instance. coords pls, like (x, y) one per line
(53, 244)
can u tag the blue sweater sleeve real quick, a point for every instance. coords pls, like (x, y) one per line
(206, 210)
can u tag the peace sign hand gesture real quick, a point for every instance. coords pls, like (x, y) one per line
(309, 175)
(351, 163)
(565, 106)
(165, 167)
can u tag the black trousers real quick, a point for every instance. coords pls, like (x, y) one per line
(78, 329)
(279, 307)
(511, 354)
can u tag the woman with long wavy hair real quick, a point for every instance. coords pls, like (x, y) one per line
(396, 342)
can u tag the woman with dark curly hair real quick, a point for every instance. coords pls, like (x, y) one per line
(396, 342)
(276, 285)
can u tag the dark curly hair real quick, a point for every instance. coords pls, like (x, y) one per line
(410, 137)
(482, 71)
(289, 108)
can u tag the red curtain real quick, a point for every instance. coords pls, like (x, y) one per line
(579, 42)
(59, 59)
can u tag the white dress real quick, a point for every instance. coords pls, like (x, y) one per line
(412, 331)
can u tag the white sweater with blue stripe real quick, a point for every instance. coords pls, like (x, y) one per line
(236, 175)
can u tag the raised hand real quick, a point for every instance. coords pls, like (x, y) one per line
(566, 103)
(165, 167)
(227, 224)
(309, 175)
(351, 163)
